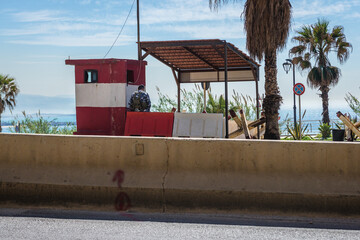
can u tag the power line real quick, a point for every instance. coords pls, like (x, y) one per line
(121, 29)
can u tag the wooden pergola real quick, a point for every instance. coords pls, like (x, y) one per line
(210, 60)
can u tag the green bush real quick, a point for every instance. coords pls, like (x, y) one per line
(298, 133)
(325, 130)
(40, 125)
(193, 102)
(354, 103)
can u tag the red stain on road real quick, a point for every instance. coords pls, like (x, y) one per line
(122, 202)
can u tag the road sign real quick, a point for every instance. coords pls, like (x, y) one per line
(299, 89)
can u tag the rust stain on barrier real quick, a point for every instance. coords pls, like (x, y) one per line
(119, 176)
(122, 200)
(139, 149)
(164, 177)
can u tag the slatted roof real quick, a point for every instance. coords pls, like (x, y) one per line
(198, 55)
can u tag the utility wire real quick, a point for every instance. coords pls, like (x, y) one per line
(121, 29)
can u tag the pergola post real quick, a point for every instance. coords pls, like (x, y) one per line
(257, 99)
(178, 90)
(177, 80)
(226, 93)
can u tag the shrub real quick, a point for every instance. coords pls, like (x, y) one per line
(40, 125)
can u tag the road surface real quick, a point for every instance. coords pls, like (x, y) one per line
(76, 224)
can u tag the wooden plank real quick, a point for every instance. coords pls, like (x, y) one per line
(251, 126)
(348, 123)
(244, 124)
(256, 123)
(236, 119)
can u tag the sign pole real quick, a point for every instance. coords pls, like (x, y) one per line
(299, 90)
(299, 117)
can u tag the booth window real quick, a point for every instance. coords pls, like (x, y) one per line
(130, 76)
(90, 76)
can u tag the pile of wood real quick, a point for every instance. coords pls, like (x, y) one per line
(349, 126)
(248, 128)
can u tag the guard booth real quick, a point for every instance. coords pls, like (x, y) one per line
(102, 90)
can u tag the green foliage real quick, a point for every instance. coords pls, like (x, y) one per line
(339, 125)
(193, 102)
(40, 125)
(354, 103)
(8, 92)
(316, 42)
(298, 133)
(246, 103)
(215, 104)
(283, 123)
(165, 103)
(325, 130)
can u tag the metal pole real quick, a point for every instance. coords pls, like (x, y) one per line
(226, 94)
(204, 85)
(179, 92)
(138, 29)
(257, 99)
(294, 94)
(299, 117)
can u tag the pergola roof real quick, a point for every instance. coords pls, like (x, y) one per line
(198, 55)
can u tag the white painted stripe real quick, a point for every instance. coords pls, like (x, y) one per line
(101, 95)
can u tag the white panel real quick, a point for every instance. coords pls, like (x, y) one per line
(213, 76)
(101, 95)
(129, 90)
(209, 125)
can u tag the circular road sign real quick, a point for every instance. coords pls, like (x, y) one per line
(299, 89)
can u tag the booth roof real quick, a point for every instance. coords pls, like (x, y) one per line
(198, 55)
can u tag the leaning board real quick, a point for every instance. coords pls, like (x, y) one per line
(203, 125)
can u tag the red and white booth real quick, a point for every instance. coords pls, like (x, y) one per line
(102, 90)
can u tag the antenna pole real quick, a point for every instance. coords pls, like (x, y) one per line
(138, 29)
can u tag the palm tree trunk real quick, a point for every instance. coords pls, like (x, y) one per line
(325, 103)
(0, 124)
(272, 98)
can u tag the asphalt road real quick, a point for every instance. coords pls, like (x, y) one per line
(75, 224)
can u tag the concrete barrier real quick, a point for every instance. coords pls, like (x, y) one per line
(168, 172)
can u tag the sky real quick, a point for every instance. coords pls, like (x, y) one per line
(37, 36)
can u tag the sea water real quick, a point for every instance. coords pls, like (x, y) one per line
(312, 117)
(59, 119)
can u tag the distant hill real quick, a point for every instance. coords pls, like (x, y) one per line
(47, 105)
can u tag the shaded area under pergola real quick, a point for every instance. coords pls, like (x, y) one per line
(210, 60)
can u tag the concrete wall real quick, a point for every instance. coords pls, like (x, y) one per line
(165, 172)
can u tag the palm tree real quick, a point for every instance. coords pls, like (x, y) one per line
(8, 92)
(267, 24)
(315, 43)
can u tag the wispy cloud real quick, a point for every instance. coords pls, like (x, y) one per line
(54, 28)
(187, 11)
(171, 19)
(95, 40)
(206, 31)
(38, 16)
(312, 8)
